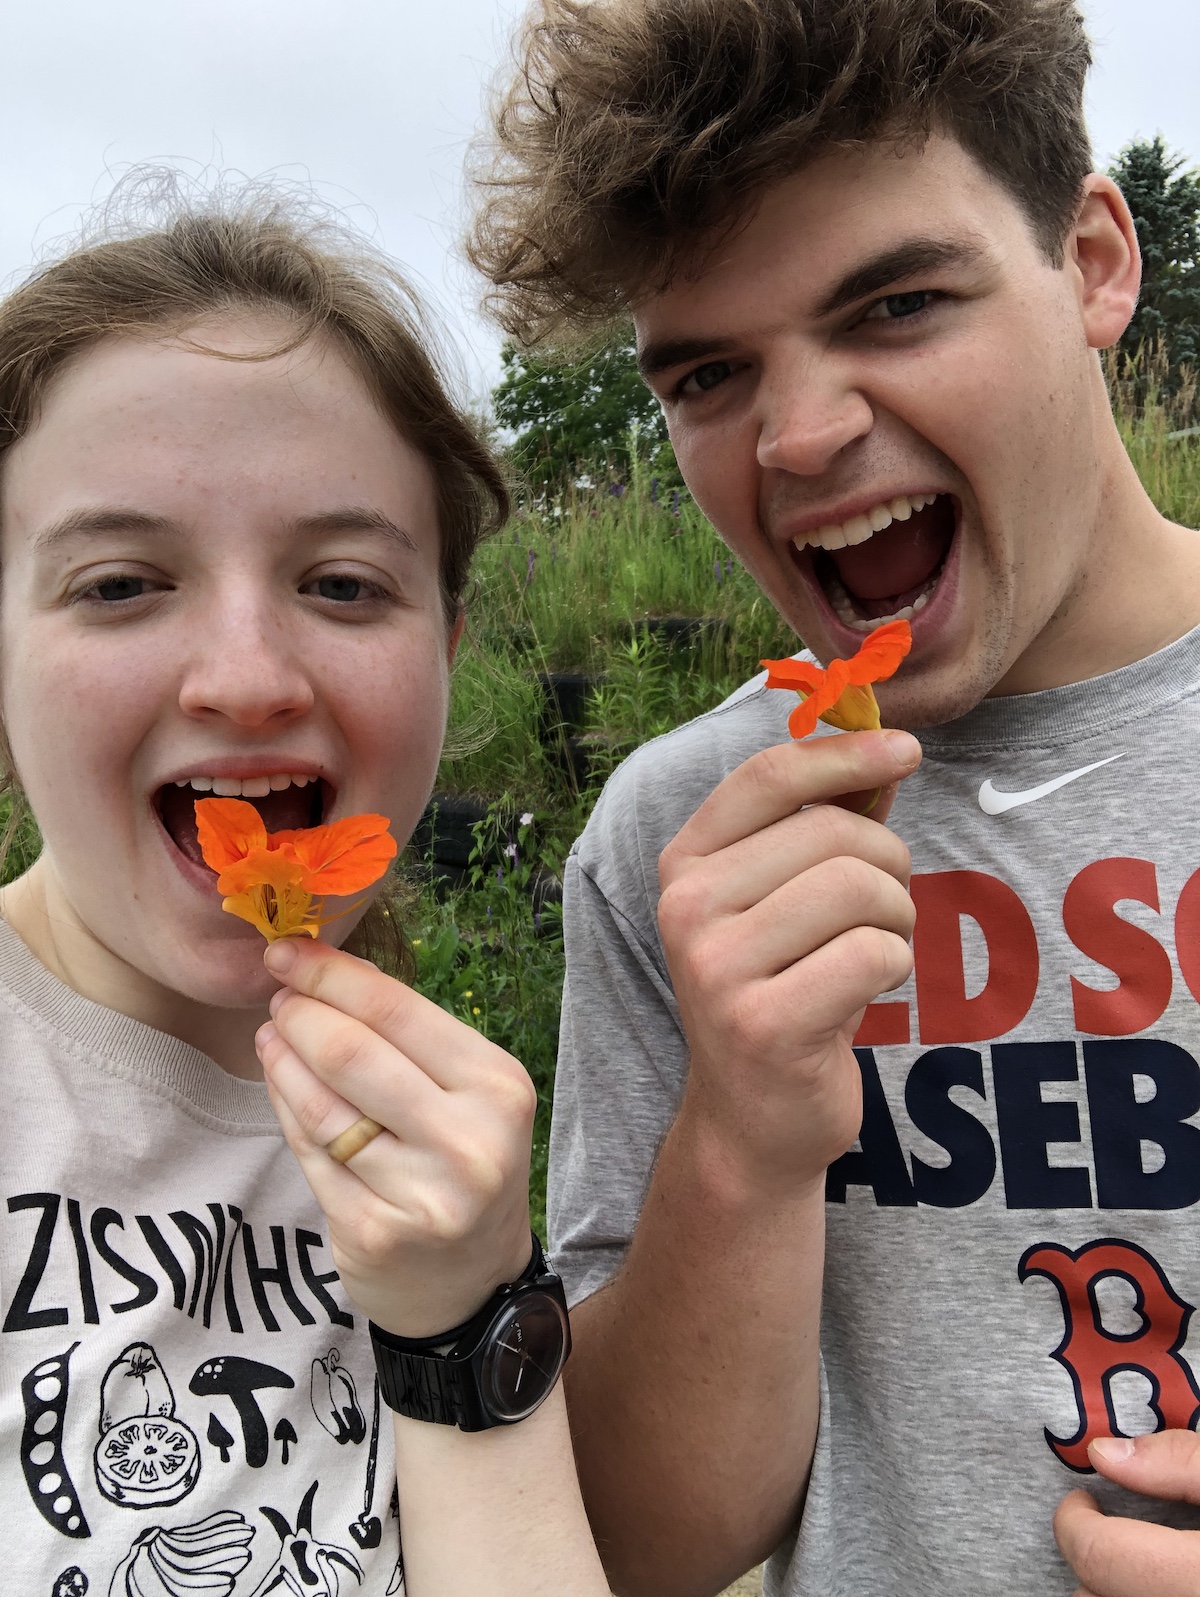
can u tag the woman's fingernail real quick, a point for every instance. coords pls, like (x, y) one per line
(265, 1034)
(276, 1000)
(904, 748)
(1112, 1449)
(280, 957)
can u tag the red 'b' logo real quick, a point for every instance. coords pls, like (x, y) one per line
(1092, 1355)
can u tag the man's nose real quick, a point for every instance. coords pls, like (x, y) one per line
(248, 671)
(809, 413)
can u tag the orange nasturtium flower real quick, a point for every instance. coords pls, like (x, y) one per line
(840, 693)
(272, 879)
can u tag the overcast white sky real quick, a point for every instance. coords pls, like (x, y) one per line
(373, 101)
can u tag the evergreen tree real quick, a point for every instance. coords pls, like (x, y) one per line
(1165, 201)
(571, 415)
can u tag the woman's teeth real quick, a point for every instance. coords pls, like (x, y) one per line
(243, 786)
(859, 528)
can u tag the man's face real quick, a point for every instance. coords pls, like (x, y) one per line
(882, 394)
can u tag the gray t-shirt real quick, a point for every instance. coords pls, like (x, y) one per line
(188, 1404)
(1013, 1253)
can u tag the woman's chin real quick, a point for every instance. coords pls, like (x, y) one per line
(230, 976)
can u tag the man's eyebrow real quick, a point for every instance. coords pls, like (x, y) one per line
(895, 265)
(356, 518)
(668, 352)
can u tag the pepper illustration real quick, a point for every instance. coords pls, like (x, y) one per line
(71, 1583)
(334, 1399)
(135, 1385)
(205, 1557)
(44, 1395)
(238, 1379)
(145, 1458)
(306, 1567)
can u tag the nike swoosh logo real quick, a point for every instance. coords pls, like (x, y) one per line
(992, 802)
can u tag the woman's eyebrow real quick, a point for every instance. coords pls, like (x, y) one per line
(101, 518)
(356, 518)
(115, 518)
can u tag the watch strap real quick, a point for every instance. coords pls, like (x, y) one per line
(419, 1377)
(421, 1386)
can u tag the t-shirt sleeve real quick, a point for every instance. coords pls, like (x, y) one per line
(621, 1065)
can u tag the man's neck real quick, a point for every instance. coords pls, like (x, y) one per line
(42, 916)
(1140, 590)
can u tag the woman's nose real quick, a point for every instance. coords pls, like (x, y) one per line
(247, 673)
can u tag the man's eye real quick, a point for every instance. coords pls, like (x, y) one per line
(898, 307)
(706, 377)
(114, 589)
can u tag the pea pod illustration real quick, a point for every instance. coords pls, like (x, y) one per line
(44, 1394)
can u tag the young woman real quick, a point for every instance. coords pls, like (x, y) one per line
(236, 515)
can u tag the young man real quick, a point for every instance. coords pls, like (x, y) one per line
(870, 272)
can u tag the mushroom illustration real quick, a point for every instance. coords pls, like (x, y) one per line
(219, 1437)
(238, 1379)
(285, 1433)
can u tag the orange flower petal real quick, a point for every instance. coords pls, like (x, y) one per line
(263, 867)
(805, 676)
(345, 856)
(840, 693)
(880, 656)
(228, 829)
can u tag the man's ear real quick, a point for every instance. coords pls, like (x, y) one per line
(1102, 249)
(456, 632)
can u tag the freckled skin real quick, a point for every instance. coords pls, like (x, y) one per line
(994, 393)
(231, 649)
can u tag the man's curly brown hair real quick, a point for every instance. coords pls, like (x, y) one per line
(635, 132)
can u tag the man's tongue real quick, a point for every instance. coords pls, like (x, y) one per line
(891, 568)
(285, 811)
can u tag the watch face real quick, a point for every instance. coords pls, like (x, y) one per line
(524, 1356)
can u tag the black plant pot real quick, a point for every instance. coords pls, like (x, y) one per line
(444, 833)
(682, 632)
(564, 702)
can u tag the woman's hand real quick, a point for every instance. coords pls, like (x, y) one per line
(433, 1214)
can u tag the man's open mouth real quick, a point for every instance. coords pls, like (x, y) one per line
(286, 801)
(885, 564)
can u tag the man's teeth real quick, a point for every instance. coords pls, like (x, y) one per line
(859, 528)
(845, 611)
(243, 786)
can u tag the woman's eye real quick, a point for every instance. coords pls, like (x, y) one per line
(899, 307)
(706, 377)
(344, 589)
(114, 589)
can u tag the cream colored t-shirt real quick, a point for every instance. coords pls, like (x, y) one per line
(187, 1401)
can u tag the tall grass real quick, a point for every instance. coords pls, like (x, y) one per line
(564, 589)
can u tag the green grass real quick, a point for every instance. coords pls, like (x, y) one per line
(564, 589)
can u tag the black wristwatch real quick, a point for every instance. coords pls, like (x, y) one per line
(494, 1369)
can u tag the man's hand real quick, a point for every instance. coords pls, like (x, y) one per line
(429, 1218)
(783, 914)
(1126, 1557)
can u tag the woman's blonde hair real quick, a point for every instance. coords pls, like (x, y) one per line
(164, 254)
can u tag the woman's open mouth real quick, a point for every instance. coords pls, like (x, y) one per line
(286, 801)
(883, 565)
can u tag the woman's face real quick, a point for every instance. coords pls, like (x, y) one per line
(219, 576)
